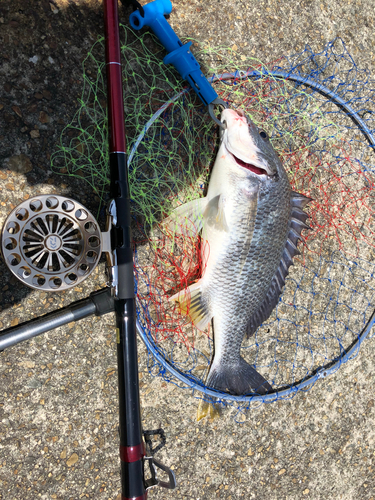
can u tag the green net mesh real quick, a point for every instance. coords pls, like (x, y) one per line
(329, 294)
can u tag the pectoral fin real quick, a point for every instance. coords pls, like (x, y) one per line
(191, 303)
(214, 214)
(187, 218)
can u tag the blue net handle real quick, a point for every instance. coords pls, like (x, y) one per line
(333, 366)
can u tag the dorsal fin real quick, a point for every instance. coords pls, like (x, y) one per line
(296, 224)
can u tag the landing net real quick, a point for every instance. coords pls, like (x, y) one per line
(318, 110)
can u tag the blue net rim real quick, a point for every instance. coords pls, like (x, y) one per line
(345, 356)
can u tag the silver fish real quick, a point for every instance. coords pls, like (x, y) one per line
(252, 221)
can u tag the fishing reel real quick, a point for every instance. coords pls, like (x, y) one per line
(52, 242)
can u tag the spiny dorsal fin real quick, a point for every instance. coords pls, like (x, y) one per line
(299, 200)
(297, 223)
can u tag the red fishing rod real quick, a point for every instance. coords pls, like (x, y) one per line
(120, 269)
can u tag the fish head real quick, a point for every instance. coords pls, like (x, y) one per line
(249, 148)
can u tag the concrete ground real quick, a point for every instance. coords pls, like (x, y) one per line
(58, 392)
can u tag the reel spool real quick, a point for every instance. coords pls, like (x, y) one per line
(51, 242)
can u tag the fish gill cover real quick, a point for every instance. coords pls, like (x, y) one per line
(329, 296)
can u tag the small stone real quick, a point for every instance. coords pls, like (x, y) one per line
(20, 163)
(38, 95)
(306, 491)
(34, 134)
(54, 9)
(72, 460)
(282, 471)
(42, 401)
(17, 110)
(47, 95)
(34, 383)
(29, 364)
(234, 47)
(43, 117)
(63, 453)
(14, 322)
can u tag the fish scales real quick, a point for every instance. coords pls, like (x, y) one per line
(251, 221)
(243, 275)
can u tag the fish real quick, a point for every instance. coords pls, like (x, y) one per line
(250, 222)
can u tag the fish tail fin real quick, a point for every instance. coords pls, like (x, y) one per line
(191, 303)
(238, 378)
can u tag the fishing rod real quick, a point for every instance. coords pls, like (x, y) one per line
(120, 273)
(52, 243)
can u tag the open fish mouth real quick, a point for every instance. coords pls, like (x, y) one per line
(249, 166)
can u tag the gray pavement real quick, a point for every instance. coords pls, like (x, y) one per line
(58, 392)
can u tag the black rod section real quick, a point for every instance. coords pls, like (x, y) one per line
(98, 303)
(132, 448)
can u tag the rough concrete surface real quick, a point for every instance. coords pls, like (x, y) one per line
(58, 392)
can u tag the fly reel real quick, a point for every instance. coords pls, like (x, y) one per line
(51, 242)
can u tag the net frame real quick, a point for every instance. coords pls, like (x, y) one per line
(332, 366)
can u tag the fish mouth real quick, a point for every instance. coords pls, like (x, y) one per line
(249, 166)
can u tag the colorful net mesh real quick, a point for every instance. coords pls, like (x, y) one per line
(321, 126)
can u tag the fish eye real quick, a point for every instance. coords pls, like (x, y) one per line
(263, 134)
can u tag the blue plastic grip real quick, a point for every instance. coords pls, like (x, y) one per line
(179, 54)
